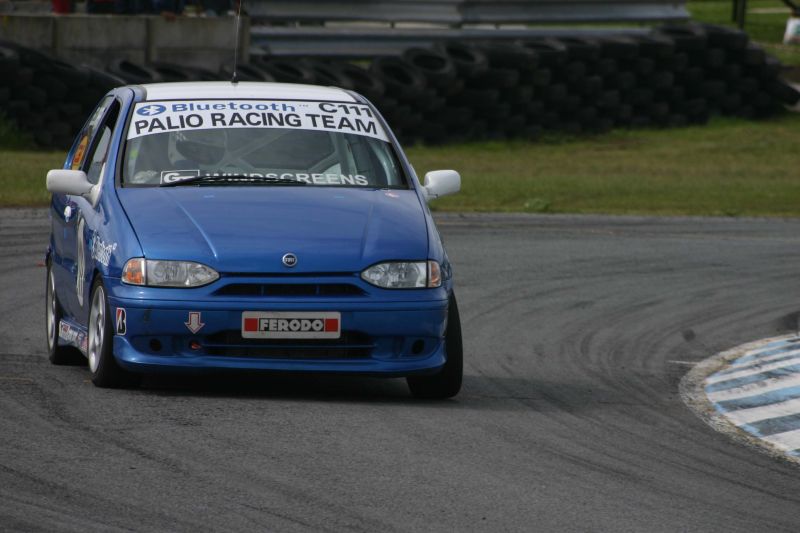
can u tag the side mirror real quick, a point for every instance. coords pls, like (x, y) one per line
(441, 183)
(63, 181)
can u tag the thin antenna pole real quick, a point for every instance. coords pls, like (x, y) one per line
(235, 77)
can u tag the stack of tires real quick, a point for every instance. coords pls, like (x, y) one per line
(46, 97)
(456, 91)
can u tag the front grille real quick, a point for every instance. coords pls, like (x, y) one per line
(351, 345)
(290, 289)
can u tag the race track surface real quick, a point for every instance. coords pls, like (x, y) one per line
(577, 331)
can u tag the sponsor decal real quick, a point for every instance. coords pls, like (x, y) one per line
(122, 326)
(80, 151)
(101, 250)
(73, 335)
(195, 322)
(171, 176)
(291, 325)
(80, 253)
(150, 110)
(217, 114)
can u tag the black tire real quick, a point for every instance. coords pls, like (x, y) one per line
(58, 355)
(551, 52)
(9, 61)
(436, 66)
(132, 72)
(363, 81)
(101, 81)
(245, 73)
(715, 57)
(402, 80)
(288, 71)
(106, 373)
(510, 55)
(326, 74)
(605, 67)
(540, 77)
(468, 60)
(658, 47)
(724, 37)
(447, 382)
(495, 78)
(687, 37)
(753, 55)
(592, 85)
(784, 92)
(581, 48)
(170, 72)
(621, 49)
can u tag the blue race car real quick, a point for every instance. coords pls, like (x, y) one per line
(253, 226)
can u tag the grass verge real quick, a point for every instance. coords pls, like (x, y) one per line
(728, 168)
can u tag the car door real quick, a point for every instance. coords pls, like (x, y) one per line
(79, 215)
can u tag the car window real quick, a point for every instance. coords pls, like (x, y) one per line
(318, 143)
(99, 151)
(79, 155)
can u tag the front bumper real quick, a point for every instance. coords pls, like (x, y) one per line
(379, 337)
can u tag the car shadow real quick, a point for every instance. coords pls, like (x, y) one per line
(479, 392)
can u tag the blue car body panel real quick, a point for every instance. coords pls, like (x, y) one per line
(242, 232)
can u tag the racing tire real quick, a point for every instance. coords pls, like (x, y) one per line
(468, 60)
(551, 53)
(437, 67)
(106, 373)
(447, 382)
(58, 355)
(581, 48)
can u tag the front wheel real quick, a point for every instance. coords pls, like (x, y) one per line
(104, 368)
(447, 382)
(58, 355)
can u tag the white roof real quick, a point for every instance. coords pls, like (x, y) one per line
(193, 90)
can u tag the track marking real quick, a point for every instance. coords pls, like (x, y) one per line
(756, 414)
(751, 393)
(755, 389)
(789, 441)
(759, 369)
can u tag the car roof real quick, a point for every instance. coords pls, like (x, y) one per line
(194, 90)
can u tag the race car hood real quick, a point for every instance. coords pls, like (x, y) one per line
(249, 229)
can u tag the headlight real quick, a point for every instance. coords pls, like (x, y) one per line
(404, 275)
(153, 273)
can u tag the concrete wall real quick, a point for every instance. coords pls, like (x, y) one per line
(97, 39)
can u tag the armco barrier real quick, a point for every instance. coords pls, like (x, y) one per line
(465, 12)
(98, 39)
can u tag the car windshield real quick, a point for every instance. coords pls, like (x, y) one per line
(258, 142)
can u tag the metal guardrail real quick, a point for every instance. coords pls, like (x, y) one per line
(465, 12)
(364, 43)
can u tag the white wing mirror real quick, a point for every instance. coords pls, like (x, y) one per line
(63, 181)
(441, 183)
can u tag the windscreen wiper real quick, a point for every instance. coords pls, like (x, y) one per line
(236, 179)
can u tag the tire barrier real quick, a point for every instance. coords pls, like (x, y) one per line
(457, 91)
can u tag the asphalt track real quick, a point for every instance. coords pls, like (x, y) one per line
(577, 331)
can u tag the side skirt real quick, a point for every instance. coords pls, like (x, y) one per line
(73, 334)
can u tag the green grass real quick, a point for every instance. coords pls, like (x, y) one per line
(22, 174)
(765, 28)
(730, 167)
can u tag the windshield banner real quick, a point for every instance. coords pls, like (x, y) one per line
(166, 116)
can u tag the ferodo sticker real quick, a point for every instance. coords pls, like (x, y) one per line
(165, 116)
(291, 325)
